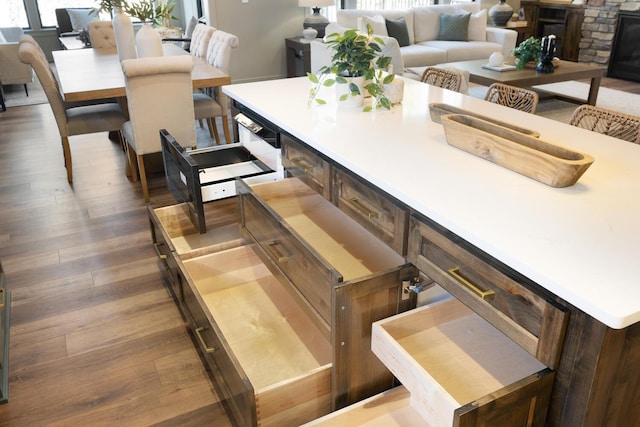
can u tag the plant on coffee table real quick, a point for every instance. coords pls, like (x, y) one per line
(527, 51)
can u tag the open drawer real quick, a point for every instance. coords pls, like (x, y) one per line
(271, 364)
(460, 370)
(346, 277)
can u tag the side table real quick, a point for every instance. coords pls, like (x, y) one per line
(298, 56)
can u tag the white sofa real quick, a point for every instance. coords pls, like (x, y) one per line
(12, 70)
(423, 25)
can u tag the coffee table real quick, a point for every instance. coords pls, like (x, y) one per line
(527, 77)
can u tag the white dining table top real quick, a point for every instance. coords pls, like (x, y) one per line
(90, 74)
(580, 242)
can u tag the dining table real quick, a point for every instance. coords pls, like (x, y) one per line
(94, 74)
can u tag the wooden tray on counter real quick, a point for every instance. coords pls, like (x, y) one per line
(543, 161)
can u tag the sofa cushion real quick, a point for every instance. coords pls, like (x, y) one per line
(352, 18)
(416, 55)
(426, 19)
(478, 26)
(463, 51)
(397, 28)
(454, 27)
(378, 25)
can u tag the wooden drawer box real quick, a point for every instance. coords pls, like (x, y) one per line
(535, 323)
(460, 370)
(271, 364)
(386, 220)
(346, 277)
(306, 165)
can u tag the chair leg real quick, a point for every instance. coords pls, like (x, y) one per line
(143, 178)
(66, 151)
(26, 90)
(132, 163)
(214, 128)
(225, 127)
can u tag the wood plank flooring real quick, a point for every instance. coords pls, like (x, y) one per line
(95, 337)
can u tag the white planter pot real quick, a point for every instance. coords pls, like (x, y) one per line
(125, 39)
(148, 42)
(343, 95)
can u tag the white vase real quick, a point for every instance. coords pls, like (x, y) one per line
(148, 42)
(125, 39)
(343, 95)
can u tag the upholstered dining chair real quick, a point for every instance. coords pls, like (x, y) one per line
(200, 39)
(71, 121)
(607, 122)
(513, 97)
(215, 104)
(101, 34)
(441, 77)
(159, 95)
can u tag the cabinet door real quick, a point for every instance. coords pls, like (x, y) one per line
(572, 34)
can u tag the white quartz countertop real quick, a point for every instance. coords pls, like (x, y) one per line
(582, 242)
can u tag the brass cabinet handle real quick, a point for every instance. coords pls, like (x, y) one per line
(273, 247)
(3, 298)
(156, 246)
(363, 209)
(455, 273)
(207, 349)
(302, 165)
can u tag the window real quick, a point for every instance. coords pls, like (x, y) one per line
(384, 4)
(14, 14)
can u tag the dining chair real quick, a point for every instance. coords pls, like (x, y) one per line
(200, 39)
(159, 94)
(71, 120)
(607, 122)
(441, 77)
(513, 97)
(101, 34)
(214, 104)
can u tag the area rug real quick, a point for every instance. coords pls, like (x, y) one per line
(560, 110)
(15, 95)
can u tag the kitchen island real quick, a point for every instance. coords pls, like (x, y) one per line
(577, 245)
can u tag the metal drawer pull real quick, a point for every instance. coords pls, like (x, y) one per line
(302, 165)
(3, 299)
(207, 349)
(363, 209)
(156, 246)
(455, 272)
(273, 247)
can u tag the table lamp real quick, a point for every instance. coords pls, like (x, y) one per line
(316, 20)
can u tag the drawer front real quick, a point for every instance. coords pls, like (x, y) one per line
(307, 166)
(535, 323)
(373, 210)
(290, 256)
(161, 244)
(232, 384)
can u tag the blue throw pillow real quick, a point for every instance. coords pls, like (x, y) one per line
(397, 28)
(454, 27)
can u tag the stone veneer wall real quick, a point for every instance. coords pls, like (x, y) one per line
(598, 29)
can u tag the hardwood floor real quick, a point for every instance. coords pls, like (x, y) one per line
(95, 337)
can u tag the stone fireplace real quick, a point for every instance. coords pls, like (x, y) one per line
(599, 29)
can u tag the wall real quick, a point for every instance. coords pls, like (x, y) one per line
(261, 26)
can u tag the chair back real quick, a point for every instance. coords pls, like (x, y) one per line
(513, 97)
(31, 53)
(101, 34)
(159, 95)
(219, 49)
(607, 122)
(200, 39)
(443, 78)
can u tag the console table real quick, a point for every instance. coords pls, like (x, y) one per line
(298, 56)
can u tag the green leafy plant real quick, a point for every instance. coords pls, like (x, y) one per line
(529, 50)
(164, 13)
(144, 10)
(355, 54)
(109, 5)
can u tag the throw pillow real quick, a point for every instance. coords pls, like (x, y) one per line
(377, 24)
(454, 27)
(80, 18)
(425, 23)
(189, 32)
(478, 26)
(397, 28)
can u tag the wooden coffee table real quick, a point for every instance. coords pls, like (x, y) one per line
(527, 77)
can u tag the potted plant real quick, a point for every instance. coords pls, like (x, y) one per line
(356, 56)
(527, 51)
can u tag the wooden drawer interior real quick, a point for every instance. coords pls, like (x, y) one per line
(537, 324)
(458, 367)
(302, 163)
(376, 212)
(284, 357)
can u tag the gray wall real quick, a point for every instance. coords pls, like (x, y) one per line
(261, 26)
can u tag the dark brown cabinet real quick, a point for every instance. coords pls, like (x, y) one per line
(560, 19)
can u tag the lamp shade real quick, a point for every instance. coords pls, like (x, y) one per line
(316, 3)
